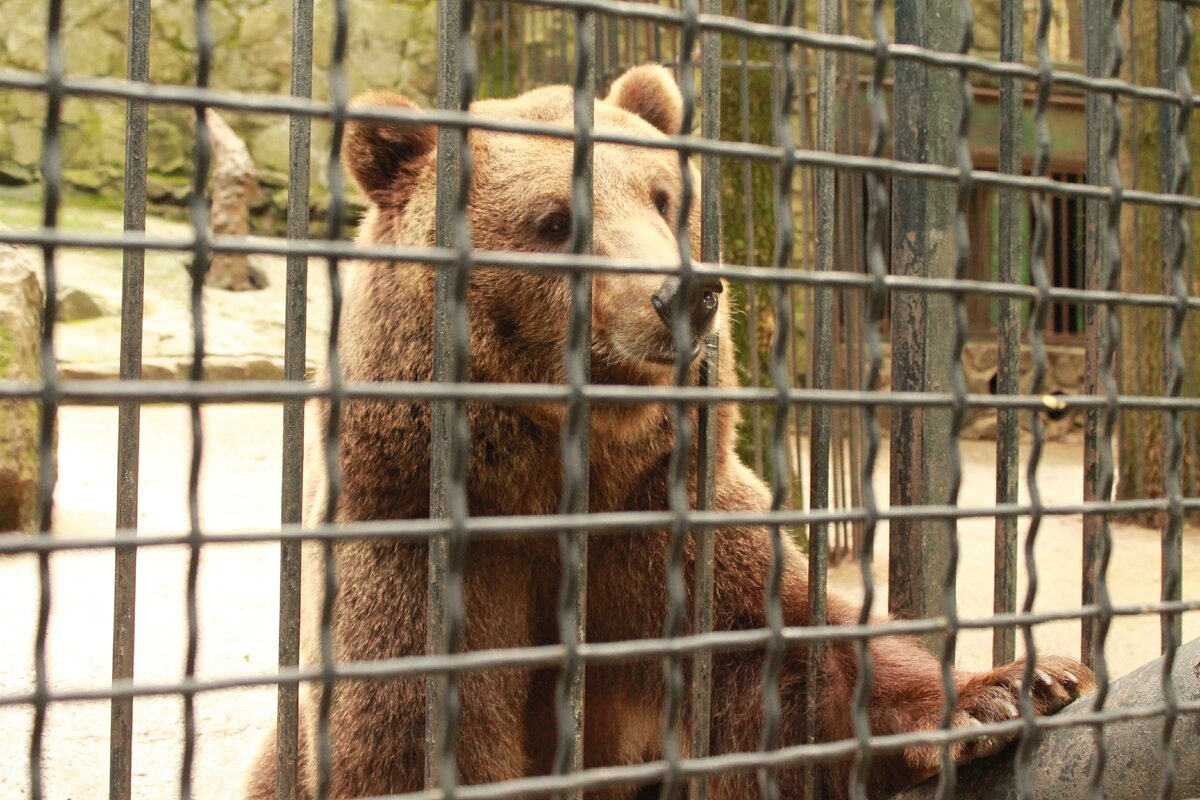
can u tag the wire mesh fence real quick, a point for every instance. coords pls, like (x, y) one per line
(878, 193)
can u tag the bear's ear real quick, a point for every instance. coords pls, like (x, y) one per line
(650, 92)
(385, 158)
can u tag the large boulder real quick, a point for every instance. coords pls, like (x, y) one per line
(21, 302)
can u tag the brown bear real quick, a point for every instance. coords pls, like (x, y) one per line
(520, 201)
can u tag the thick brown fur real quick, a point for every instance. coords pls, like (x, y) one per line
(517, 327)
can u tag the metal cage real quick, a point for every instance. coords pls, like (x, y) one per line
(911, 170)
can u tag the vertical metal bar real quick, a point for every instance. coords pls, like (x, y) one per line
(1174, 43)
(295, 328)
(120, 763)
(1095, 55)
(958, 384)
(877, 214)
(784, 247)
(706, 424)
(1103, 53)
(821, 329)
(573, 545)
(1175, 35)
(658, 51)
(609, 27)
(678, 497)
(201, 260)
(926, 100)
(47, 472)
(506, 89)
(338, 99)
(856, 222)
(524, 20)
(1037, 331)
(454, 353)
(702, 591)
(448, 178)
(1109, 280)
(561, 21)
(1008, 333)
(748, 232)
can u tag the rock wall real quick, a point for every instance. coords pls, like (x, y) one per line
(392, 44)
(1064, 376)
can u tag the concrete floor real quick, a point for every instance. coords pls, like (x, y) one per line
(238, 595)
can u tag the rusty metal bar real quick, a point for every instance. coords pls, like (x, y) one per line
(448, 171)
(454, 352)
(335, 395)
(52, 177)
(1175, 49)
(926, 100)
(1174, 43)
(706, 416)
(573, 544)
(748, 230)
(1008, 332)
(295, 329)
(703, 566)
(1095, 56)
(1104, 329)
(678, 495)
(820, 368)
(958, 383)
(133, 262)
(201, 261)
(781, 342)
(876, 299)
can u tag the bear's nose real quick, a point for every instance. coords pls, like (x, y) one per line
(701, 301)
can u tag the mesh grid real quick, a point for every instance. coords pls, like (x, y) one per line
(687, 643)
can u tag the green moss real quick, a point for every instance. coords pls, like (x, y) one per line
(749, 217)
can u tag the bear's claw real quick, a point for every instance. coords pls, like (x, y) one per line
(995, 696)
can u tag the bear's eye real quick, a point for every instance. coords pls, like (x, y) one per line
(662, 202)
(555, 226)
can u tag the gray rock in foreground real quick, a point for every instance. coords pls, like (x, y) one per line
(21, 302)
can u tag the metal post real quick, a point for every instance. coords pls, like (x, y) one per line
(1039, 235)
(1008, 332)
(1095, 56)
(784, 249)
(338, 97)
(1174, 176)
(877, 209)
(120, 765)
(447, 187)
(927, 103)
(295, 328)
(573, 545)
(706, 426)
(52, 176)
(1175, 49)
(201, 260)
(678, 494)
(451, 356)
(821, 329)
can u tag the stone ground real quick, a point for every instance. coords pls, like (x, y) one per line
(238, 595)
(243, 330)
(238, 592)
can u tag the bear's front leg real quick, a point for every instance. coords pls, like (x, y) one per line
(907, 695)
(994, 696)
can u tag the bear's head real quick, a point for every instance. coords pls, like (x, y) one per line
(521, 201)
